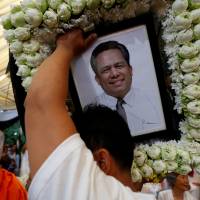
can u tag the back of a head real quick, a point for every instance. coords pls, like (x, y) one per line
(102, 127)
(171, 179)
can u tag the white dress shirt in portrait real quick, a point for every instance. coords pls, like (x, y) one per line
(142, 115)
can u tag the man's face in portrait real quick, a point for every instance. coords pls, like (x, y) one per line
(114, 74)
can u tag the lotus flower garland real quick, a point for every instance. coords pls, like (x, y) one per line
(182, 37)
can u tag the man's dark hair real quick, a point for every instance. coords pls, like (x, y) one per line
(101, 127)
(106, 46)
(171, 179)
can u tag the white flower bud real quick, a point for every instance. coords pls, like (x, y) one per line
(50, 18)
(184, 36)
(22, 33)
(195, 15)
(64, 12)
(179, 6)
(195, 133)
(31, 46)
(183, 21)
(33, 16)
(194, 107)
(139, 157)
(153, 152)
(194, 122)
(159, 166)
(23, 70)
(147, 171)
(190, 65)
(191, 78)
(192, 91)
(27, 82)
(188, 51)
(136, 175)
(16, 47)
(197, 31)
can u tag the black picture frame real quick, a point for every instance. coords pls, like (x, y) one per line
(106, 29)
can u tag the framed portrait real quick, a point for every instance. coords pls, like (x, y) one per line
(98, 76)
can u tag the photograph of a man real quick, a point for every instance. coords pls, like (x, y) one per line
(110, 62)
(118, 71)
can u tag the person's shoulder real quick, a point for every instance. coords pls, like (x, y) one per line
(10, 184)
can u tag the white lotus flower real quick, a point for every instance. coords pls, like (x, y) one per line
(195, 4)
(168, 152)
(192, 91)
(183, 21)
(31, 46)
(6, 22)
(45, 50)
(27, 82)
(182, 157)
(27, 4)
(195, 133)
(197, 44)
(21, 59)
(184, 169)
(194, 122)
(33, 71)
(108, 3)
(9, 35)
(153, 152)
(16, 47)
(197, 31)
(190, 65)
(147, 171)
(188, 51)
(23, 70)
(50, 18)
(45, 35)
(191, 78)
(33, 16)
(194, 107)
(179, 6)
(17, 19)
(159, 166)
(195, 159)
(64, 12)
(77, 6)
(34, 60)
(184, 36)
(54, 3)
(139, 157)
(22, 33)
(136, 175)
(92, 4)
(195, 15)
(42, 5)
(171, 166)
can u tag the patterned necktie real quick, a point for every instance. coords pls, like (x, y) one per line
(120, 108)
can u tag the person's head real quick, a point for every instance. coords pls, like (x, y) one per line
(107, 135)
(111, 63)
(177, 181)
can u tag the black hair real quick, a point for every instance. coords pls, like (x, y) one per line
(106, 46)
(171, 179)
(101, 127)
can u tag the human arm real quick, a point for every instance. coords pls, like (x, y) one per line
(47, 121)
